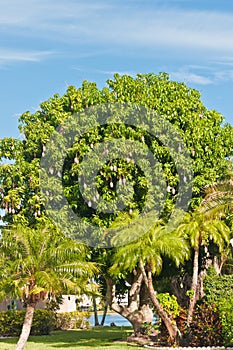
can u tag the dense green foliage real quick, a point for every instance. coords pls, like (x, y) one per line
(150, 248)
(206, 327)
(44, 322)
(35, 263)
(72, 320)
(209, 144)
(169, 304)
(38, 261)
(219, 290)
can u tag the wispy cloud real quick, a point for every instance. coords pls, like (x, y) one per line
(223, 61)
(119, 24)
(191, 77)
(224, 75)
(203, 75)
(105, 72)
(11, 55)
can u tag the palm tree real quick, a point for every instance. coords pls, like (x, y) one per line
(35, 262)
(200, 230)
(147, 252)
(218, 203)
(218, 200)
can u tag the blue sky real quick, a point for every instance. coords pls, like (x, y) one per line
(47, 45)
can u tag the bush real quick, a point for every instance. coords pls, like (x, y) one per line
(72, 320)
(11, 322)
(205, 329)
(44, 322)
(226, 315)
(169, 304)
(206, 326)
(219, 290)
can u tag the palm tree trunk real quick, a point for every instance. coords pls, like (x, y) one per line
(27, 325)
(171, 326)
(105, 313)
(193, 298)
(95, 312)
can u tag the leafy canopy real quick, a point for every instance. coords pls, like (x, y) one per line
(208, 140)
(38, 261)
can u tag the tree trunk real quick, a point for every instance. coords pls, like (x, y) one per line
(218, 265)
(193, 298)
(95, 312)
(105, 313)
(171, 326)
(145, 304)
(27, 324)
(200, 285)
(179, 289)
(137, 311)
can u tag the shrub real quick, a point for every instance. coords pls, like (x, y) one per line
(72, 320)
(169, 304)
(205, 329)
(226, 315)
(44, 322)
(219, 290)
(206, 326)
(11, 322)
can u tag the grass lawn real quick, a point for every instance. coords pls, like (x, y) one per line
(94, 339)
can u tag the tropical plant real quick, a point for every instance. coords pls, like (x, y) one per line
(206, 327)
(218, 201)
(200, 231)
(219, 291)
(146, 255)
(35, 262)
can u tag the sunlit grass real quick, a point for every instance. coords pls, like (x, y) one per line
(99, 338)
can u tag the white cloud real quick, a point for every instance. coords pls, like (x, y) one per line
(118, 23)
(105, 72)
(190, 77)
(203, 75)
(223, 61)
(37, 14)
(11, 55)
(224, 75)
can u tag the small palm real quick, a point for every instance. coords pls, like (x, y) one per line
(35, 262)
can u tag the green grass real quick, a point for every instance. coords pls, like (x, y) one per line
(94, 339)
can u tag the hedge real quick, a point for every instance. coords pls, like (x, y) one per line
(72, 320)
(11, 322)
(219, 290)
(44, 321)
